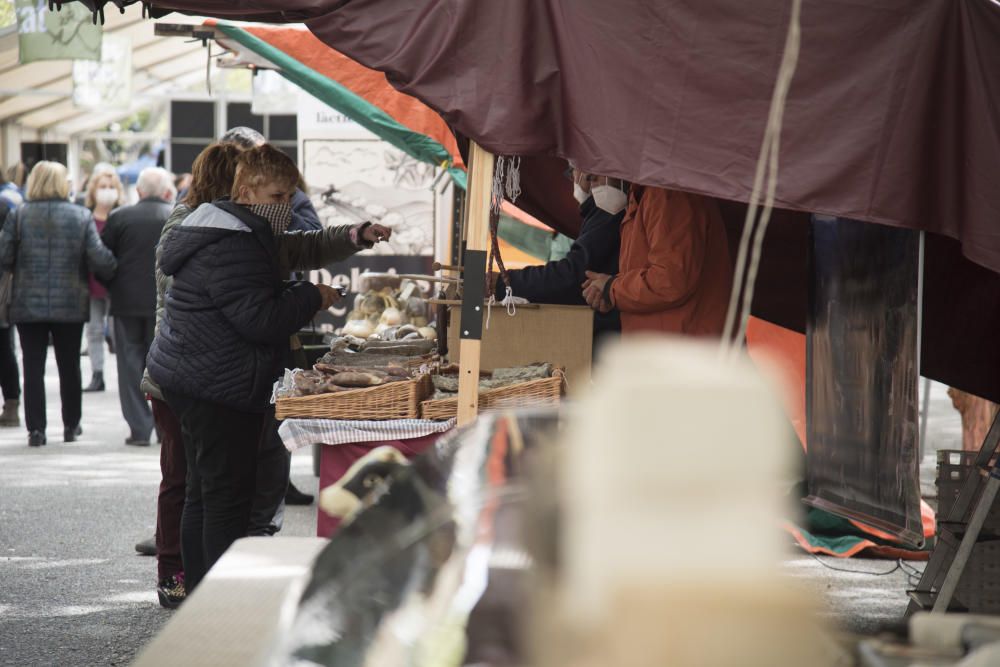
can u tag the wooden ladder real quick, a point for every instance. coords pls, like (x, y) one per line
(959, 532)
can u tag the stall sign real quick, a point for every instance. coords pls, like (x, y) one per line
(47, 34)
(349, 272)
(318, 120)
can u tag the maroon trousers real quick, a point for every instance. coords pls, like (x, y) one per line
(170, 504)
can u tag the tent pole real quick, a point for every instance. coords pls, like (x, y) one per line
(477, 216)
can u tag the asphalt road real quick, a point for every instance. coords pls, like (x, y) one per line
(73, 591)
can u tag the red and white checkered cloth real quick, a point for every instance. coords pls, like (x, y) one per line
(297, 433)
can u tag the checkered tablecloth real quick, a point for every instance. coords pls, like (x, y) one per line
(296, 433)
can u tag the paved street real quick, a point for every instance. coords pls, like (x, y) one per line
(73, 591)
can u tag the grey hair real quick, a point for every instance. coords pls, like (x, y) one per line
(156, 182)
(243, 137)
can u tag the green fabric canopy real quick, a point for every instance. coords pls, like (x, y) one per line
(338, 97)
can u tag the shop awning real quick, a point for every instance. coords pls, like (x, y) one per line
(361, 93)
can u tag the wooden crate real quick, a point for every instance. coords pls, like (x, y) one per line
(561, 335)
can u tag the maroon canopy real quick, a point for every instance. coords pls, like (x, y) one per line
(893, 115)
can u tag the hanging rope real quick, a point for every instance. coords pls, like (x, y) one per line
(208, 70)
(746, 276)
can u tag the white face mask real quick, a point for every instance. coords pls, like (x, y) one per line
(106, 196)
(579, 193)
(609, 198)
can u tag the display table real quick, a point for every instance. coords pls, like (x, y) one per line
(344, 442)
(235, 616)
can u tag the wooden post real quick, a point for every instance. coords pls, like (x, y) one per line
(477, 209)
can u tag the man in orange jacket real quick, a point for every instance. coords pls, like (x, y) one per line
(674, 270)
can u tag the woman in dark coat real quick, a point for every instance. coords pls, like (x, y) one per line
(229, 314)
(51, 245)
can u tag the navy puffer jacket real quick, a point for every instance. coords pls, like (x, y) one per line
(50, 245)
(229, 313)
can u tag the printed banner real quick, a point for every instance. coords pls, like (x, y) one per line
(348, 273)
(66, 34)
(105, 83)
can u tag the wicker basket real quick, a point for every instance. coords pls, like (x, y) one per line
(546, 391)
(395, 400)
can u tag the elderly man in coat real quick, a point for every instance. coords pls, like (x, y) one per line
(132, 233)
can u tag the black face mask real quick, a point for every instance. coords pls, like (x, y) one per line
(278, 215)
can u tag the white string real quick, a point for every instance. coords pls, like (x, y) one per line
(769, 157)
(496, 195)
(508, 301)
(489, 310)
(513, 179)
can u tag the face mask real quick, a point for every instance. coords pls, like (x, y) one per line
(106, 196)
(279, 215)
(579, 193)
(609, 198)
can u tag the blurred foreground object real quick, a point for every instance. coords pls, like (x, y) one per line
(673, 459)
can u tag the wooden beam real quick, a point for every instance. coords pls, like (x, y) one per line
(477, 239)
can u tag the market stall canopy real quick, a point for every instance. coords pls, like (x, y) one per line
(357, 91)
(891, 116)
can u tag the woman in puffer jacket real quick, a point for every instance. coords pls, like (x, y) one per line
(212, 179)
(51, 245)
(229, 313)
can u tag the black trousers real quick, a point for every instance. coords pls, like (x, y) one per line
(10, 378)
(66, 339)
(274, 464)
(221, 446)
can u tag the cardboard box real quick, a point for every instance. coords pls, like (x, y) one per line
(562, 335)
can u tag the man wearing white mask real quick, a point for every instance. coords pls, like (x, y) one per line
(595, 249)
(674, 270)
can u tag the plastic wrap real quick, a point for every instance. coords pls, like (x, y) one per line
(434, 558)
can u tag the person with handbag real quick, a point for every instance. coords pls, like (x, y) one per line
(49, 244)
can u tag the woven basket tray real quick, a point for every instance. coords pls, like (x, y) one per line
(547, 391)
(395, 400)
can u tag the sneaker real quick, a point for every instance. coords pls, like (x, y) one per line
(36, 439)
(171, 591)
(71, 433)
(136, 442)
(147, 547)
(295, 497)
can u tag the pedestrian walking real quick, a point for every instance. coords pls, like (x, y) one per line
(49, 244)
(132, 233)
(11, 196)
(104, 193)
